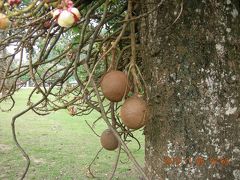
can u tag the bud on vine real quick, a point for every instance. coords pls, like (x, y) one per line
(67, 16)
(14, 2)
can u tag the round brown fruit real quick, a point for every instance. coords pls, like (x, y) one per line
(134, 112)
(115, 85)
(108, 140)
(47, 24)
(4, 21)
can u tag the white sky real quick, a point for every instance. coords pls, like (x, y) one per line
(11, 50)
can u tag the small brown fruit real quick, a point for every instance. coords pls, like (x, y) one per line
(134, 112)
(115, 85)
(72, 110)
(4, 21)
(108, 140)
(47, 24)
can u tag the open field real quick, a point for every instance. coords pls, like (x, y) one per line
(60, 146)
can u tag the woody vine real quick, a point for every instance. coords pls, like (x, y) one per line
(119, 81)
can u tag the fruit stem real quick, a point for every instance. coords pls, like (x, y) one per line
(132, 67)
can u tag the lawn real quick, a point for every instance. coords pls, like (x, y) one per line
(60, 146)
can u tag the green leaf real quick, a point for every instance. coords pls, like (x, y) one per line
(26, 1)
(75, 29)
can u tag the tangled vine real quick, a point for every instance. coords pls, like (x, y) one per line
(96, 37)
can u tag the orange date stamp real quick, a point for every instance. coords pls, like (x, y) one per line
(198, 161)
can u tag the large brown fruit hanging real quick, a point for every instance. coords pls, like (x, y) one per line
(108, 140)
(115, 85)
(4, 21)
(134, 112)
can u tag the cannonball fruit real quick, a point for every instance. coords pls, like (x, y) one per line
(115, 85)
(108, 140)
(134, 112)
(4, 21)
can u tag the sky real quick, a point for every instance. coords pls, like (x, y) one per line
(11, 50)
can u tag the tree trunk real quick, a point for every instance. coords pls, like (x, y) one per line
(192, 70)
(3, 65)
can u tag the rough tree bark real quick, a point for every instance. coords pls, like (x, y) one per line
(192, 70)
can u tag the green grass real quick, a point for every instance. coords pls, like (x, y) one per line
(60, 146)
